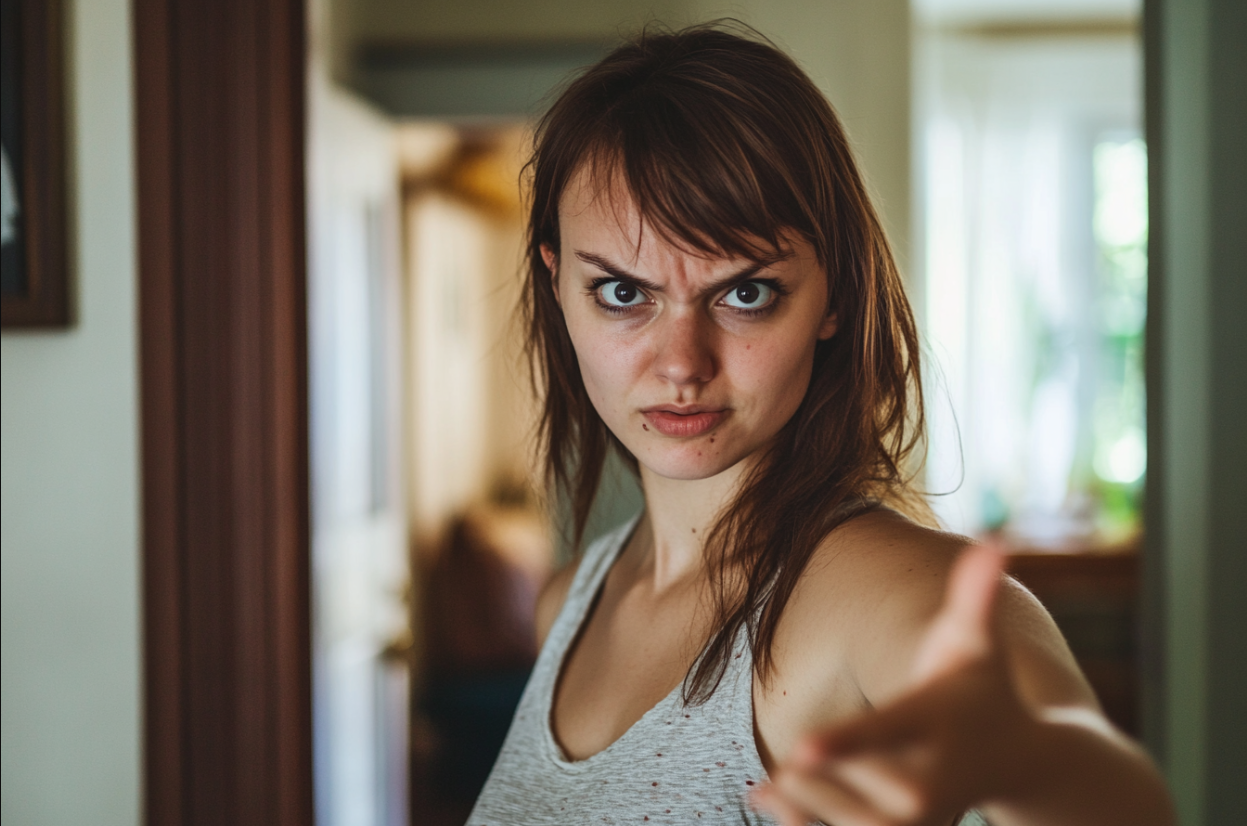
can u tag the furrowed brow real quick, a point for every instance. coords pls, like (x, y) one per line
(615, 271)
(748, 272)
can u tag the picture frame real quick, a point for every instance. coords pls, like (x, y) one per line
(35, 289)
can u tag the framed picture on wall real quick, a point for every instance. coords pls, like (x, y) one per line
(34, 281)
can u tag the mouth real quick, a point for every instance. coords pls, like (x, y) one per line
(683, 422)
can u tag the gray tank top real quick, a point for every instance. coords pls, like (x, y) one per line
(677, 764)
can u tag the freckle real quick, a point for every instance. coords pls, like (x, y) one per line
(711, 440)
(785, 693)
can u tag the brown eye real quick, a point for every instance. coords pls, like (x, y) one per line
(747, 293)
(620, 294)
(751, 295)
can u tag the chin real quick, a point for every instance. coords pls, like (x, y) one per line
(687, 462)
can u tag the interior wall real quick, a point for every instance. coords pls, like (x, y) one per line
(69, 480)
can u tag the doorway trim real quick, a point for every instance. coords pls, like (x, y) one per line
(220, 98)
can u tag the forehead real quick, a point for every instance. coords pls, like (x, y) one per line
(598, 213)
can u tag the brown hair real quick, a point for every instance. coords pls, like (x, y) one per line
(725, 145)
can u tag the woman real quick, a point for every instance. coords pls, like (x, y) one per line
(778, 635)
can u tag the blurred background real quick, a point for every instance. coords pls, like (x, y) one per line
(1004, 143)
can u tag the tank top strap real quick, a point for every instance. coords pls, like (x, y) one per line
(594, 564)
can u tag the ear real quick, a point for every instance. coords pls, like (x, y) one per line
(552, 264)
(830, 323)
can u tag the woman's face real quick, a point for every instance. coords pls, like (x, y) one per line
(694, 363)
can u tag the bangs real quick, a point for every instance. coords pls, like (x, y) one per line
(705, 164)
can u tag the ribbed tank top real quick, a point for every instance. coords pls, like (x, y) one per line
(677, 764)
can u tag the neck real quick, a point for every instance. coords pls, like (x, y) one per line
(678, 515)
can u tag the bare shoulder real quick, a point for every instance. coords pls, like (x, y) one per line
(550, 600)
(872, 589)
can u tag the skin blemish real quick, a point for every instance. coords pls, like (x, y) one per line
(660, 754)
(711, 440)
(720, 764)
(655, 783)
(748, 782)
(645, 426)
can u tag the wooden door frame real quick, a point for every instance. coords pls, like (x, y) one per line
(220, 130)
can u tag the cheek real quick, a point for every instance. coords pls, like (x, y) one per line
(775, 371)
(608, 367)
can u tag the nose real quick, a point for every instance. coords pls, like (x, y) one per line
(685, 349)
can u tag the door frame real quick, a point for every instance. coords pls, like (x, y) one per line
(220, 101)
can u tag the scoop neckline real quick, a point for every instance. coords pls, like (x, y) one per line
(554, 749)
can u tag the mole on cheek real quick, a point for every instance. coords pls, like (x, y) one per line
(645, 426)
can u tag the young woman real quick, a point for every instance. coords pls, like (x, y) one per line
(779, 635)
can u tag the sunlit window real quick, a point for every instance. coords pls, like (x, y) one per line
(1120, 225)
(1035, 280)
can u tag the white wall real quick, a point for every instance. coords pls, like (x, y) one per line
(69, 495)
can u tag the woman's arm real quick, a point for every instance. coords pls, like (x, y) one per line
(990, 712)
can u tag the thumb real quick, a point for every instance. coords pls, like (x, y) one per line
(962, 630)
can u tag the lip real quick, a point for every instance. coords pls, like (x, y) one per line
(683, 422)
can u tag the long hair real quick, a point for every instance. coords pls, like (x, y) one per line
(725, 145)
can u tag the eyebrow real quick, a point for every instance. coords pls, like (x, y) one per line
(615, 271)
